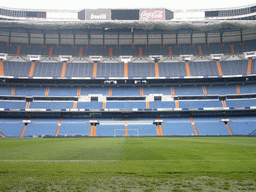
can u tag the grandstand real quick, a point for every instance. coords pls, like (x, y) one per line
(152, 76)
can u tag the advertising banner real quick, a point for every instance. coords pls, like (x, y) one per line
(98, 14)
(152, 14)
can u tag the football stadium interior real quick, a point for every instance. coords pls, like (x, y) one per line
(127, 72)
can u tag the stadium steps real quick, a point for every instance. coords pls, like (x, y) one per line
(2, 135)
(18, 51)
(177, 104)
(94, 69)
(27, 105)
(159, 129)
(219, 68)
(224, 103)
(232, 47)
(249, 68)
(110, 92)
(200, 51)
(126, 128)
(252, 132)
(141, 91)
(58, 128)
(227, 125)
(63, 71)
(1, 68)
(81, 52)
(172, 89)
(75, 105)
(47, 91)
(93, 130)
(50, 51)
(188, 69)
(23, 130)
(170, 51)
(13, 91)
(126, 131)
(32, 68)
(238, 89)
(78, 91)
(156, 69)
(125, 69)
(193, 124)
(204, 90)
(110, 52)
(140, 52)
(147, 105)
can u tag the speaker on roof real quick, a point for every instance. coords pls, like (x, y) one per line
(217, 56)
(65, 57)
(126, 59)
(186, 57)
(155, 57)
(250, 55)
(95, 58)
(34, 57)
(3, 56)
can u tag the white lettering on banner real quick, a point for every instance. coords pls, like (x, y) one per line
(100, 17)
(152, 15)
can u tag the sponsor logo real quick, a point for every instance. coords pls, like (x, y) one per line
(152, 15)
(98, 17)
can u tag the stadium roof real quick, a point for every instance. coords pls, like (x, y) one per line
(202, 26)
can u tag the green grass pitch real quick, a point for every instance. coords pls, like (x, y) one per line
(128, 164)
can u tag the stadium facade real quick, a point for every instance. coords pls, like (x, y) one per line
(127, 72)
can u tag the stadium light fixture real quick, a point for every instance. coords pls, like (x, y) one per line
(186, 57)
(250, 55)
(216, 56)
(65, 57)
(34, 57)
(155, 57)
(126, 59)
(95, 58)
(3, 56)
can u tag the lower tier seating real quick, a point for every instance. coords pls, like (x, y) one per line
(14, 127)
